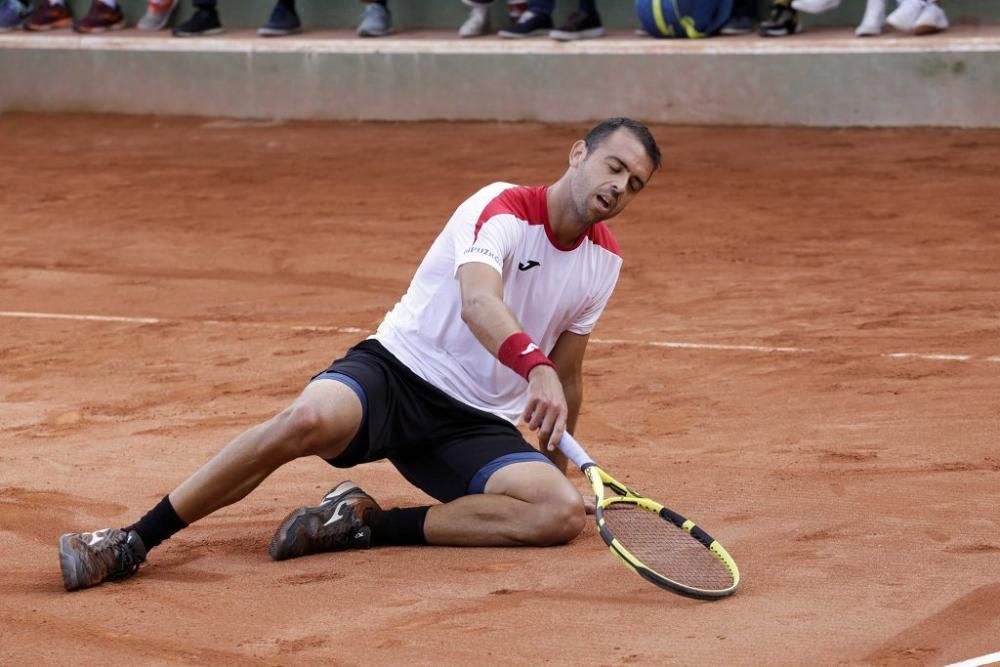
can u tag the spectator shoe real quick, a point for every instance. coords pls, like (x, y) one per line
(101, 18)
(376, 21)
(579, 25)
(49, 16)
(157, 14)
(529, 25)
(202, 22)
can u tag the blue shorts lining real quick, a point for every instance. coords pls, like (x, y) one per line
(478, 483)
(350, 382)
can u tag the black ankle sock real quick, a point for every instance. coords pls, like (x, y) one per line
(289, 4)
(158, 524)
(399, 526)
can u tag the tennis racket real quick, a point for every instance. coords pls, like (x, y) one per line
(660, 545)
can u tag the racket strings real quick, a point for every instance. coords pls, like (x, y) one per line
(665, 548)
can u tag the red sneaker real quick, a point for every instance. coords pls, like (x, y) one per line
(49, 16)
(101, 18)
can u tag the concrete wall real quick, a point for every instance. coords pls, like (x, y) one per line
(946, 81)
(441, 14)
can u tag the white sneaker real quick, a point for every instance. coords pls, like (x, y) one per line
(873, 20)
(815, 6)
(906, 14)
(931, 20)
(478, 23)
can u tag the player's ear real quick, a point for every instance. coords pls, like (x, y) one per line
(578, 153)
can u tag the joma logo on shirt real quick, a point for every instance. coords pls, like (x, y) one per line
(530, 264)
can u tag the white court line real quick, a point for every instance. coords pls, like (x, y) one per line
(931, 357)
(600, 341)
(158, 320)
(976, 662)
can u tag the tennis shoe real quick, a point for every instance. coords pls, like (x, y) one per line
(340, 522)
(101, 18)
(815, 6)
(781, 21)
(478, 23)
(530, 24)
(49, 16)
(873, 20)
(905, 16)
(579, 25)
(157, 14)
(931, 20)
(87, 559)
(283, 21)
(376, 21)
(202, 22)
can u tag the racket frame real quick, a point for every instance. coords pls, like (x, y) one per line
(599, 479)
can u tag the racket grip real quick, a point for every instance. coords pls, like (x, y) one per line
(574, 451)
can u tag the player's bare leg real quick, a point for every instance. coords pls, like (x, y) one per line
(320, 422)
(528, 503)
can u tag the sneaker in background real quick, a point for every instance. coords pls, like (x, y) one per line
(781, 21)
(905, 16)
(529, 25)
(101, 18)
(815, 6)
(376, 21)
(12, 15)
(49, 16)
(339, 522)
(931, 20)
(284, 20)
(579, 25)
(202, 22)
(873, 20)
(158, 13)
(738, 25)
(87, 559)
(478, 22)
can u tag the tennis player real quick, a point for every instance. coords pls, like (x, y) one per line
(491, 331)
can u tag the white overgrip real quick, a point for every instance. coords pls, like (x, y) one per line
(574, 451)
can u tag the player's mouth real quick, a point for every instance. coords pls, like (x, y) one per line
(605, 203)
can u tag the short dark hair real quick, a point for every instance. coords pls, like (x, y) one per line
(605, 128)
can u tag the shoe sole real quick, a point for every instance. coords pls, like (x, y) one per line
(62, 23)
(278, 32)
(298, 520)
(68, 564)
(781, 32)
(521, 35)
(213, 31)
(369, 33)
(121, 25)
(567, 36)
(283, 545)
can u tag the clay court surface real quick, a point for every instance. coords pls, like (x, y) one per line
(803, 355)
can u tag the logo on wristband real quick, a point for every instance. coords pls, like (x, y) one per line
(528, 350)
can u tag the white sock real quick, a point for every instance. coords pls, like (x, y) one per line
(110, 3)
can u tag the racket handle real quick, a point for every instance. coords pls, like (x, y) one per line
(574, 451)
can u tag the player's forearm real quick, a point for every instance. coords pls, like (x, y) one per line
(489, 319)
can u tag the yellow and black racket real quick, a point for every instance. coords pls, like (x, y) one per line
(660, 545)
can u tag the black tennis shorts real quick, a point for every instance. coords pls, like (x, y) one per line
(440, 445)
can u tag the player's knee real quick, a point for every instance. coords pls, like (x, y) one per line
(556, 522)
(296, 431)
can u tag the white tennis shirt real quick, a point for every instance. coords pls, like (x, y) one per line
(550, 289)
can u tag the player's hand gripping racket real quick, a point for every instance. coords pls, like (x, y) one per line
(657, 543)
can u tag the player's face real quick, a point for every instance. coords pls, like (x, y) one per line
(607, 178)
